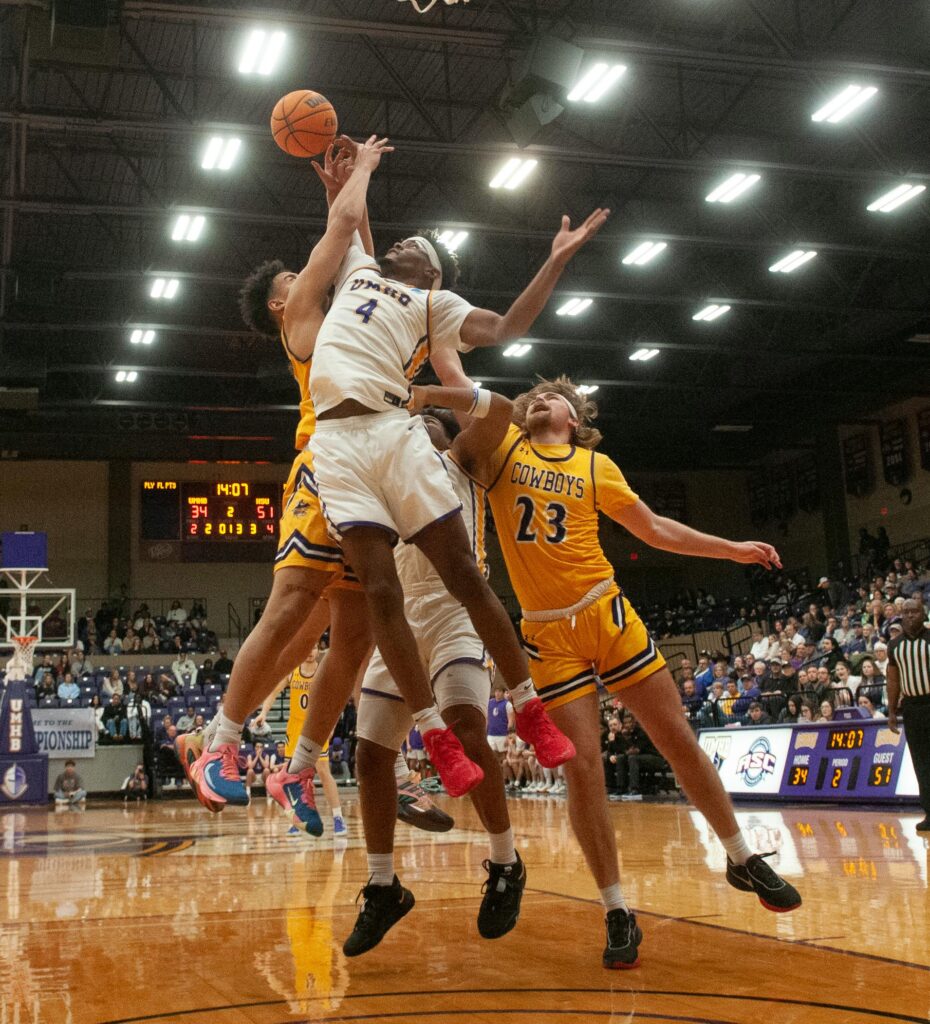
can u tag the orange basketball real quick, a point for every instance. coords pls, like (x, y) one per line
(304, 123)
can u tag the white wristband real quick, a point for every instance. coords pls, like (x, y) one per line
(482, 404)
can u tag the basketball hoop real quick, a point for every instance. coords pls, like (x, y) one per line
(422, 6)
(20, 665)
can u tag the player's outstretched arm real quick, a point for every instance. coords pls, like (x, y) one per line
(483, 328)
(667, 535)
(268, 702)
(308, 293)
(490, 415)
(338, 164)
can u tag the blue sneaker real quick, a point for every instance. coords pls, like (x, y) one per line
(295, 794)
(339, 826)
(216, 777)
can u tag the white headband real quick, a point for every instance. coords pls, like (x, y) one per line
(571, 408)
(429, 250)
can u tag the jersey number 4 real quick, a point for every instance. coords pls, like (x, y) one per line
(366, 310)
(555, 528)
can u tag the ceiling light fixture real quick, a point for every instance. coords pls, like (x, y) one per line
(513, 173)
(164, 287)
(844, 103)
(220, 153)
(588, 389)
(452, 239)
(895, 198)
(711, 312)
(126, 376)
(516, 350)
(187, 228)
(261, 52)
(792, 261)
(573, 307)
(734, 186)
(644, 253)
(595, 83)
(643, 355)
(141, 337)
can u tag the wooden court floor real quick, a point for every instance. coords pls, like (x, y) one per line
(166, 914)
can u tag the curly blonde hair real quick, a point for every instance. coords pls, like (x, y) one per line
(584, 435)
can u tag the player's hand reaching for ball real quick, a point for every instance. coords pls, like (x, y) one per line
(369, 155)
(338, 163)
(755, 552)
(569, 240)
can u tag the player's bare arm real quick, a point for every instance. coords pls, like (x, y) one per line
(338, 163)
(483, 328)
(304, 309)
(483, 434)
(667, 535)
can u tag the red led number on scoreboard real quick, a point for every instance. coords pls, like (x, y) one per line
(198, 511)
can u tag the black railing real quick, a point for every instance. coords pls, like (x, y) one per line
(233, 623)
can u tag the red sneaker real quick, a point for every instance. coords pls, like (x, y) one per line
(535, 727)
(458, 772)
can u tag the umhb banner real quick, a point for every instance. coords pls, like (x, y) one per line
(16, 734)
(68, 732)
(23, 772)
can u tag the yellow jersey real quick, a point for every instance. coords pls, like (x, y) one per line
(299, 700)
(545, 500)
(301, 372)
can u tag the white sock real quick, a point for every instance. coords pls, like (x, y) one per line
(210, 731)
(401, 771)
(612, 898)
(305, 755)
(547, 775)
(502, 851)
(381, 868)
(522, 694)
(227, 731)
(337, 813)
(737, 848)
(428, 718)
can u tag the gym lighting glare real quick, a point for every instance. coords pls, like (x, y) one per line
(516, 350)
(595, 83)
(895, 198)
(513, 173)
(187, 228)
(453, 239)
(220, 153)
(792, 261)
(126, 376)
(643, 355)
(140, 337)
(261, 52)
(165, 287)
(733, 187)
(844, 103)
(573, 307)
(644, 253)
(588, 389)
(712, 312)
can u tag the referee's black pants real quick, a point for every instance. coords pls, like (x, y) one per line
(915, 712)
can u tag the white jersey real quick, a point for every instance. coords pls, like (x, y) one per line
(415, 571)
(377, 335)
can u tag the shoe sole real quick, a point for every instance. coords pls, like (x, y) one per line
(779, 910)
(432, 820)
(619, 965)
(212, 806)
(368, 949)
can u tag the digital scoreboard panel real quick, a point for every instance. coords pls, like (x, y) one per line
(206, 521)
(854, 759)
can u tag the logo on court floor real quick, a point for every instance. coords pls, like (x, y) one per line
(15, 783)
(758, 763)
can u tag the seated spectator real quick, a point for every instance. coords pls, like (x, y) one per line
(69, 788)
(832, 655)
(68, 689)
(806, 712)
(183, 665)
(150, 640)
(200, 723)
(81, 665)
(871, 681)
(615, 767)
(114, 719)
(166, 757)
(161, 730)
(186, 720)
(136, 785)
(826, 712)
(880, 652)
(855, 640)
(760, 645)
(45, 668)
(112, 685)
(771, 683)
(112, 644)
(208, 673)
(843, 678)
(277, 759)
(728, 699)
(138, 714)
(756, 715)
(256, 765)
(642, 759)
(99, 709)
(866, 705)
(223, 663)
(176, 613)
(791, 712)
(338, 764)
(689, 698)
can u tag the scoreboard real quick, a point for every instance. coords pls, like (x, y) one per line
(852, 759)
(215, 520)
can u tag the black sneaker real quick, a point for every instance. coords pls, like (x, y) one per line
(623, 939)
(503, 892)
(924, 826)
(756, 876)
(382, 907)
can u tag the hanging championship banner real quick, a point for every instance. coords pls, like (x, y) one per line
(923, 433)
(896, 458)
(808, 483)
(857, 464)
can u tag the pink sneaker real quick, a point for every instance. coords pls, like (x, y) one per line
(295, 794)
(535, 727)
(189, 747)
(216, 775)
(458, 772)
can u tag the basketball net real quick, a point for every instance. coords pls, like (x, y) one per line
(422, 6)
(20, 665)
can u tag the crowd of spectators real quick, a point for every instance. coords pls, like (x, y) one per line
(113, 630)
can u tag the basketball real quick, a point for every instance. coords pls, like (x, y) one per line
(304, 123)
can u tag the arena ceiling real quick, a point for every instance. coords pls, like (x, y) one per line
(104, 123)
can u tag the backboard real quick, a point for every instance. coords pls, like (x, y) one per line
(26, 608)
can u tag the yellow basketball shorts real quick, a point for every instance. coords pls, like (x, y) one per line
(305, 541)
(608, 642)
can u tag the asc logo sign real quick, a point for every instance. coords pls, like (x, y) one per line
(758, 764)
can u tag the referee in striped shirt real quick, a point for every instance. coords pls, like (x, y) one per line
(909, 682)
